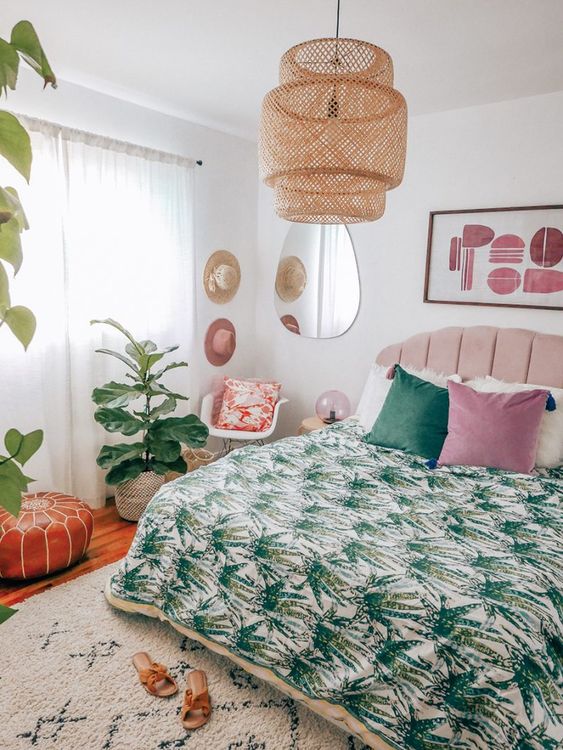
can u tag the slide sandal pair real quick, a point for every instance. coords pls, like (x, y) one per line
(157, 681)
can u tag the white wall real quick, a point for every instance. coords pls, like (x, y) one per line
(225, 187)
(505, 154)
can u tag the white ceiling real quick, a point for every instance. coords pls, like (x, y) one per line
(212, 61)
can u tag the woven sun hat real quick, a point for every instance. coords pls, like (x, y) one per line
(221, 276)
(220, 342)
(291, 278)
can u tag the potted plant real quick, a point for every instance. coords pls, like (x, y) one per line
(15, 147)
(137, 469)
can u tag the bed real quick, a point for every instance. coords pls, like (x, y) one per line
(415, 608)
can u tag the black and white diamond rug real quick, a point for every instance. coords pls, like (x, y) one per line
(67, 683)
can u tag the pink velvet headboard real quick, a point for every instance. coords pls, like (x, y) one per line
(515, 355)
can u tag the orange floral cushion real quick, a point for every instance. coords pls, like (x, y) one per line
(247, 405)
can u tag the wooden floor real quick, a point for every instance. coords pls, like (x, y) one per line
(110, 541)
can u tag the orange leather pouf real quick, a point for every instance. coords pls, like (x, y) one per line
(51, 532)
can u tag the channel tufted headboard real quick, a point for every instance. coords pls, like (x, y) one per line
(512, 354)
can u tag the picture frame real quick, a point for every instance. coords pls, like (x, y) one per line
(498, 257)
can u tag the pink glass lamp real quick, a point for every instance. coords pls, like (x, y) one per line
(333, 406)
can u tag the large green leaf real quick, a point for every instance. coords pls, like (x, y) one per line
(10, 494)
(157, 389)
(26, 41)
(165, 450)
(148, 360)
(4, 291)
(7, 208)
(166, 407)
(171, 366)
(113, 455)
(15, 145)
(23, 447)
(137, 350)
(11, 207)
(22, 323)
(189, 430)
(121, 357)
(125, 470)
(115, 324)
(19, 213)
(11, 470)
(118, 420)
(6, 613)
(116, 394)
(9, 64)
(10, 244)
(163, 467)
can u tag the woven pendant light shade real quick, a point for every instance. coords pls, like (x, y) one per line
(333, 133)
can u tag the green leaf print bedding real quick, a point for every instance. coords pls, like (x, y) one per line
(426, 604)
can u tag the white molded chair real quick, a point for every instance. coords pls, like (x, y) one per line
(231, 437)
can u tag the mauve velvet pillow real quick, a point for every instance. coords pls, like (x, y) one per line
(499, 430)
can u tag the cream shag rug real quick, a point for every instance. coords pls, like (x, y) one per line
(67, 683)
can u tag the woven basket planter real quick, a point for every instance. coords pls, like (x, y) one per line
(133, 496)
(194, 458)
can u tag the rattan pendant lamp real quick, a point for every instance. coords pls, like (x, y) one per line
(333, 133)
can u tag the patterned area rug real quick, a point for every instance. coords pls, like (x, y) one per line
(67, 683)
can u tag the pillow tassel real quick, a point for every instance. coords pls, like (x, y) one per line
(550, 404)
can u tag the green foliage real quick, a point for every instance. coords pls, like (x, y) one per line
(6, 613)
(161, 445)
(15, 147)
(13, 481)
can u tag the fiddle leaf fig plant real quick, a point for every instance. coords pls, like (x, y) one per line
(15, 147)
(160, 445)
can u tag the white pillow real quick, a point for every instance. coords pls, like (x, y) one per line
(377, 387)
(550, 442)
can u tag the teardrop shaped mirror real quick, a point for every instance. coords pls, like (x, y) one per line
(317, 290)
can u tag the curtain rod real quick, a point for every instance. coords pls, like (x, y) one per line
(35, 123)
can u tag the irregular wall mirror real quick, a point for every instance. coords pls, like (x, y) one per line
(317, 290)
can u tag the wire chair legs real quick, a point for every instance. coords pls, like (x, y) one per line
(231, 445)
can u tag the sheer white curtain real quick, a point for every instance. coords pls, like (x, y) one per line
(111, 236)
(338, 282)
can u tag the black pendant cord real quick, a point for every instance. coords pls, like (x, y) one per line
(337, 19)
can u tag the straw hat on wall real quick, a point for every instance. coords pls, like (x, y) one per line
(291, 278)
(221, 276)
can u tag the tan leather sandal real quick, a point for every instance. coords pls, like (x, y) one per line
(197, 704)
(154, 677)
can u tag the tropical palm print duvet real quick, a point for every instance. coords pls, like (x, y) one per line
(427, 604)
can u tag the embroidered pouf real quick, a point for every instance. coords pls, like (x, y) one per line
(51, 532)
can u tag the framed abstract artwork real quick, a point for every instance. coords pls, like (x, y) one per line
(511, 257)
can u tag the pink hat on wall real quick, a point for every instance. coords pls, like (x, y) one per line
(220, 342)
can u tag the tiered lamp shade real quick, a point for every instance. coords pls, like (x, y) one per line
(333, 133)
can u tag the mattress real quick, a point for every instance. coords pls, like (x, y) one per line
(416, 608)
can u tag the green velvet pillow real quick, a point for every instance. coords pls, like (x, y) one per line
(414, 417)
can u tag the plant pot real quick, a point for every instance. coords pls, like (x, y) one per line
(133, 496)
(194, 458)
